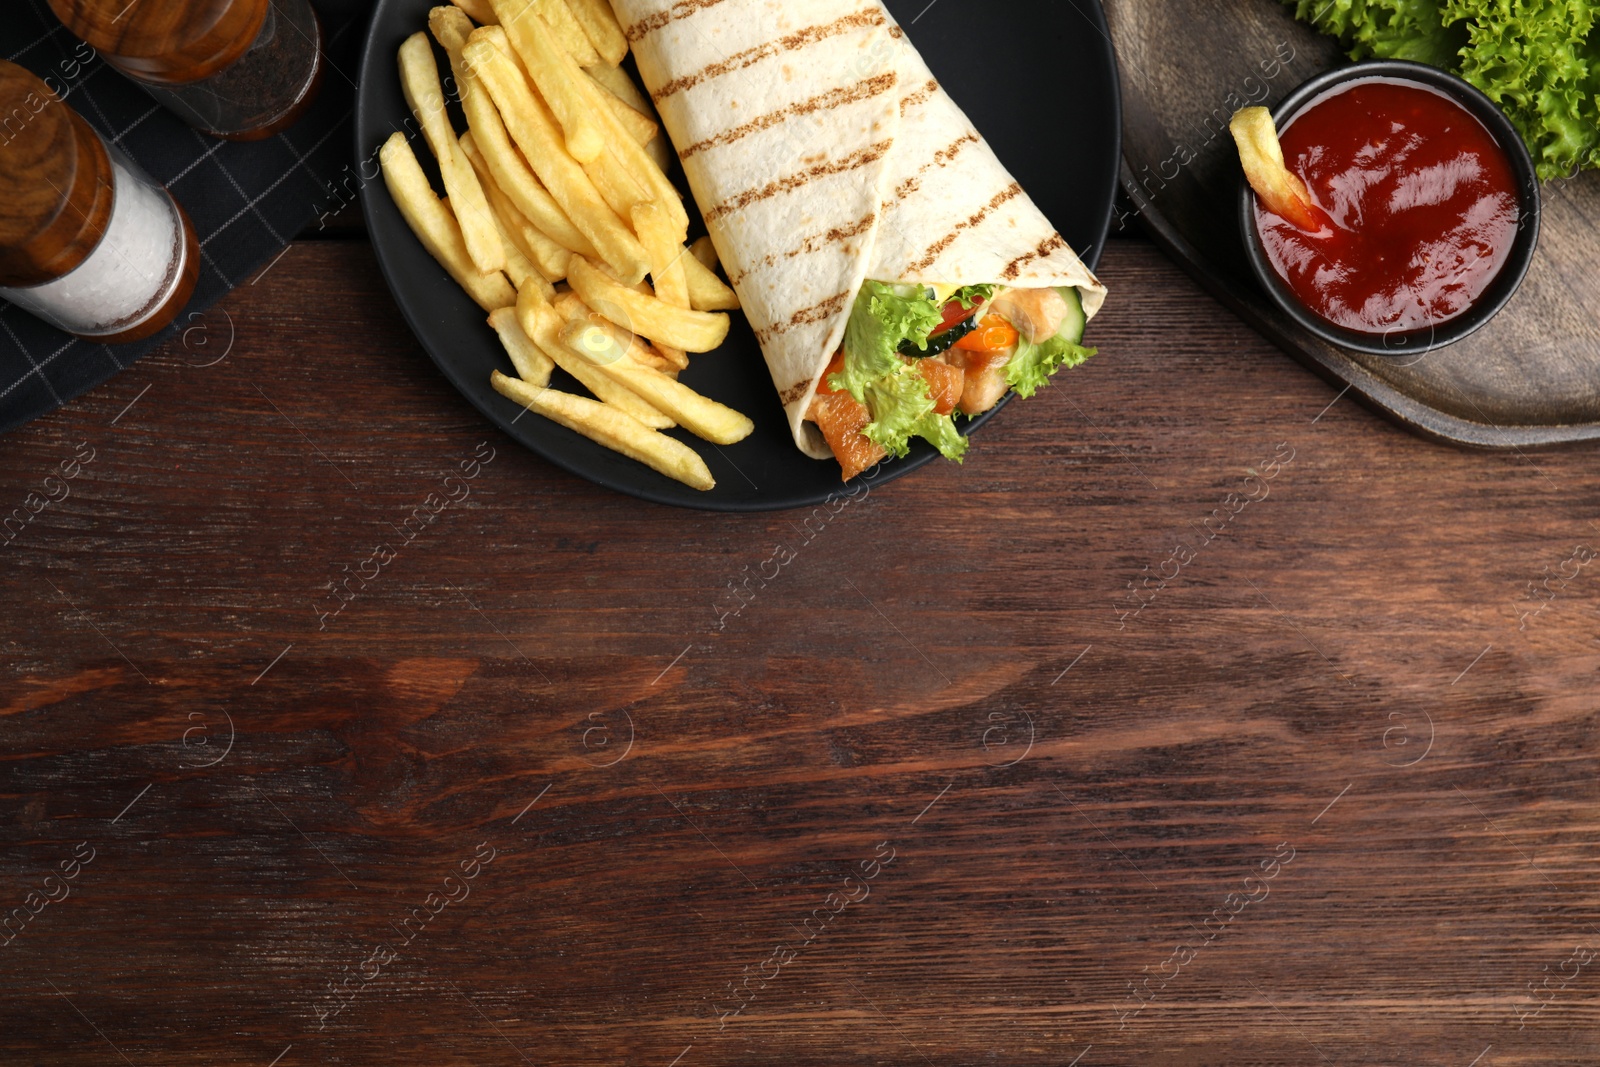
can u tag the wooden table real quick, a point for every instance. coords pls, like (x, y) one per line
(1201, 717)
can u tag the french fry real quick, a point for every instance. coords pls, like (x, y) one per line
(615, 172)
(517, 181)
(665, 359)
(647, 159)
(666, 255)
(480, 11)
(535, 131)
(562, 175)
(436, 227)
(615, 80)
(519, 268)
(641, 162)
(699, 415)
(685, 328)
(573, 309)
(532, 365)
(451, 26)
(529, 308)
(568, 34)
(659, 149)
(565, 90)
(568, 31)
(507, 168)
(609, 427)
(543, 323)
(601, 27)
(621, 191)
(706, 252)
(652, 357)
(655, 232)
(634, 157)
(707, 292)
(1282, 191)
(554, 72)
(547, 257)
(419, 79)
(641, 127)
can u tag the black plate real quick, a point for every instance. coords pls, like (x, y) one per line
(1001, 67)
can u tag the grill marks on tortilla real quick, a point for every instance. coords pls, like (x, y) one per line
(812, 245)
(941, 159)
(1050, 244)
(783, 45)
(794, 393)
(681, 10)
(863, 157)
(805, 317)
(819, 242)
(831, 100)
(920, 97)
(1009, 193)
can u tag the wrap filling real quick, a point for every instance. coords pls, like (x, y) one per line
(915, 356)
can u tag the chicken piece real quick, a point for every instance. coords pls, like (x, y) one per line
(1036, 313)
(986, 380)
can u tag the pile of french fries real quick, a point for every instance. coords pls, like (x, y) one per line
(561, 178)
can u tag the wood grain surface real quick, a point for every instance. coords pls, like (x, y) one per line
(960, 781)
(1530, 378)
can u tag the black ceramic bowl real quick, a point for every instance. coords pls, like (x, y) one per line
(1413, 342)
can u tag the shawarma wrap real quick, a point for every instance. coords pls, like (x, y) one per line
(846, 193)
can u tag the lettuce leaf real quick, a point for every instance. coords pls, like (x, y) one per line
(1387, 29)
(971, 294)
(940, 432)
(1534, 59)
(883, 316)
(1029, 369)
(902, 409)
(1539, 60)
(876, 375)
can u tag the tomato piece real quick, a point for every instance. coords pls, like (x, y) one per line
(955, 314)
(944, 383)
(840, 417)
(835, 366)
(994, 334)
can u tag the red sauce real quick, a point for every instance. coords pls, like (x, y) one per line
(1422, 199)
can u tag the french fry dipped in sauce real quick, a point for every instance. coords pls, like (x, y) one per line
(1280, 189)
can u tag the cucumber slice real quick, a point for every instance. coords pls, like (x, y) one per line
(940, 343)
(1072, 326)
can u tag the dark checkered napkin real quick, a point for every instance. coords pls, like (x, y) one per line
(247, 199)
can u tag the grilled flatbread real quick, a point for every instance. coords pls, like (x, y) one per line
(822, 153)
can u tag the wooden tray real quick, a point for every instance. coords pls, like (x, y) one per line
(1530, 378)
